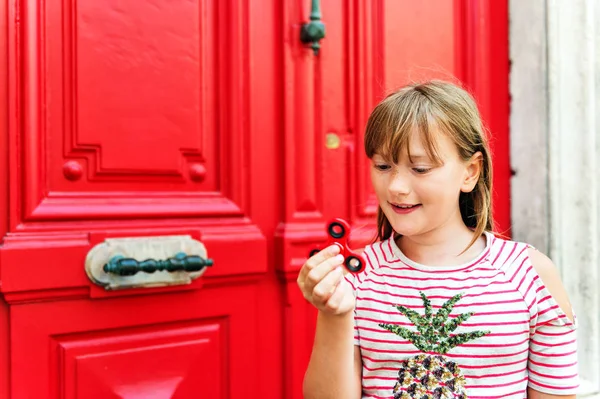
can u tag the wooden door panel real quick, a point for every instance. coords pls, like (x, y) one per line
(112, 55)
(128, 109)
(195, 344)
(187, 364)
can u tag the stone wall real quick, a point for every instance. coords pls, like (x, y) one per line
(555, 151)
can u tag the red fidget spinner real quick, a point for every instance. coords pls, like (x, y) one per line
(338, 231)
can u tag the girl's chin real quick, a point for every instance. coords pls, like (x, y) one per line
(405, 230)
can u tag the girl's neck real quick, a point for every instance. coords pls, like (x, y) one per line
(442, 247)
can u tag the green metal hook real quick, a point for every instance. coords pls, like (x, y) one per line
(313, 31)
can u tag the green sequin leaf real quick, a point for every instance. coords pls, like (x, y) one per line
(442, 314)
(416, 339)
(415, 318)
(454, 323)
(427, 304)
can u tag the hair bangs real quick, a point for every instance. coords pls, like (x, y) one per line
(397, 121)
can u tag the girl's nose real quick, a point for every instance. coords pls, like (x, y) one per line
(399, 185)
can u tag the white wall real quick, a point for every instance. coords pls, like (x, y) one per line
(555, 151)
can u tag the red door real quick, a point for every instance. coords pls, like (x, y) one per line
(371, 48)
(151, 136)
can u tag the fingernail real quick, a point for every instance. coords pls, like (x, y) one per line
(335, 249)
(339, 258)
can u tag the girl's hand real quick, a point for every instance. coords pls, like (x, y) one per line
(322, 282)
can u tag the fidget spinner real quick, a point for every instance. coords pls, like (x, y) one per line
(338, 231)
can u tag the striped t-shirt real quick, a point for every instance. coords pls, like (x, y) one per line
(524, 337)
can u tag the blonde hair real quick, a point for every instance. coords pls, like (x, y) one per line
(427, 107)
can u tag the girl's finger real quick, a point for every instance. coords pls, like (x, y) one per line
(335, 299)
(317, 259)
(316, 275)
(326, 287)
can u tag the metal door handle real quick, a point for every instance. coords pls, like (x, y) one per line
(313, 31)
(123, 266)
(116, 263)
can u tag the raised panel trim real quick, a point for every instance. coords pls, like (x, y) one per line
(82, 206)
(303, 130)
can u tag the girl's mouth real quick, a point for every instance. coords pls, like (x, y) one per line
(404, 208)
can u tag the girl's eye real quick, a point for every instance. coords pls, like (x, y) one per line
(382, 167)
(421, 170)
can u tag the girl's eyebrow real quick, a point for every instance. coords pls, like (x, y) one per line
(425, 158)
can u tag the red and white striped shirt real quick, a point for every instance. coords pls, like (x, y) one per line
(530, 341)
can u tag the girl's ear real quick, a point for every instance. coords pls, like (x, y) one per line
(472, 171)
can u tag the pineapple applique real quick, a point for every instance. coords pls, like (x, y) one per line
(432, 376)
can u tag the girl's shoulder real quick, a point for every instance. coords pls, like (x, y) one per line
(534, 275)
(506, 254)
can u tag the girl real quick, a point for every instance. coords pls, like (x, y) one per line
(444, 309)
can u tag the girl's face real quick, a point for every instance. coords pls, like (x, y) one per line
(418, 194)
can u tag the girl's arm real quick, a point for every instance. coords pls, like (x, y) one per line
(335, 366)
(551, 279)
(549, 275)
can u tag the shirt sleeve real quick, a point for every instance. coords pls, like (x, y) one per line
(355, 280)
(552, 361)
